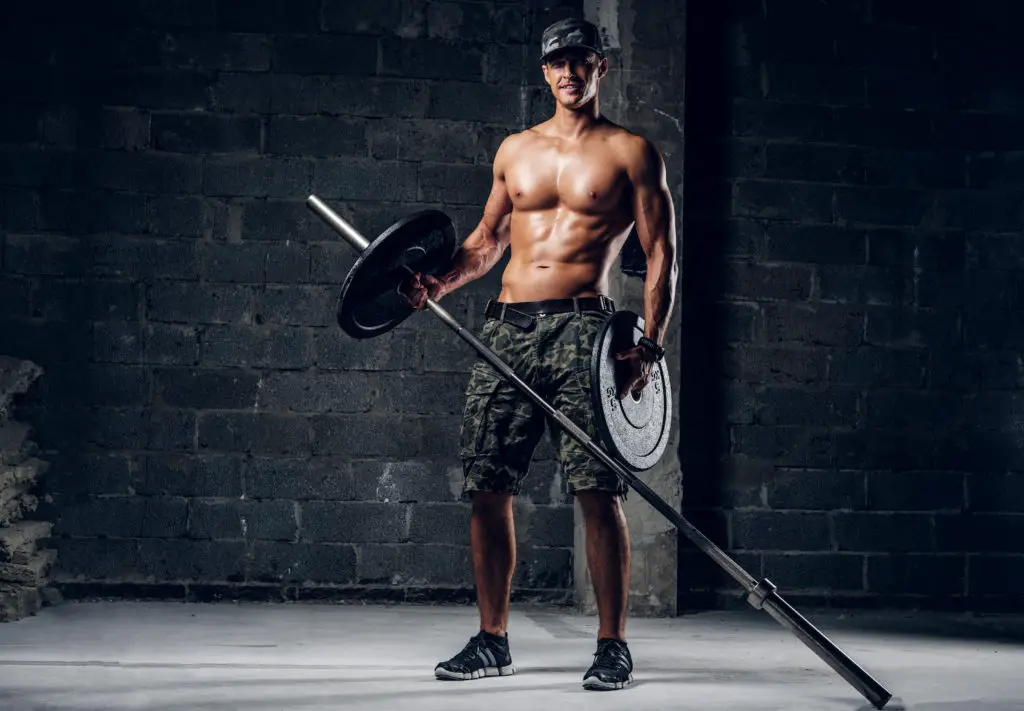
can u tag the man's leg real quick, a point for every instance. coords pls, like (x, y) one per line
(493, 540)
(608, 558)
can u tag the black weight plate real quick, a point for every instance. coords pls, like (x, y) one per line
(634, 430)
(370, 304)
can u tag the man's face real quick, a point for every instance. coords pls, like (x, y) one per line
(573, 75)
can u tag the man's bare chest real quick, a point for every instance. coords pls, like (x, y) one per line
(540, 178)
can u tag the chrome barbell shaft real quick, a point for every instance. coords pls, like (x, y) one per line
(760, 594)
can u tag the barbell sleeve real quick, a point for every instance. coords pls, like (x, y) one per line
(761, 594)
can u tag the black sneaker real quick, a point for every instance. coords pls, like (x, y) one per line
(612, 667)
(484, 655)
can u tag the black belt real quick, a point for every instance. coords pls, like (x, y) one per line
(522, 313)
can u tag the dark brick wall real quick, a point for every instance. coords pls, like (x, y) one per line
(211, 431)
(854, 299)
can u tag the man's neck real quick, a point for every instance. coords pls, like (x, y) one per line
(574, 123)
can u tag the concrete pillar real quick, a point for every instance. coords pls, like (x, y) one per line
(644, 92)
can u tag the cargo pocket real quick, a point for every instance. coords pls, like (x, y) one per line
(483, 385)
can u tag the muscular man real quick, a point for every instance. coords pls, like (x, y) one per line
(566, 194)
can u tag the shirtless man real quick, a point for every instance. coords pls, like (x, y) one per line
(565, 196)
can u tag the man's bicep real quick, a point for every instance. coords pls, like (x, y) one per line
(653, 207)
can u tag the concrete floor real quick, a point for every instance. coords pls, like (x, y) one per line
(172, 656)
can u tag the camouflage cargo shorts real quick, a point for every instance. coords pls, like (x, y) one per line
(502, 427)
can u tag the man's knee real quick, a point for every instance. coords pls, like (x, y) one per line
(491, 502)
(599, 503)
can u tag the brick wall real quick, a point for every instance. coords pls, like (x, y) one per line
(211, 431)
(854, 193)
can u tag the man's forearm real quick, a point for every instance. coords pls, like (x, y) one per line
(472, 260)
(659, 293)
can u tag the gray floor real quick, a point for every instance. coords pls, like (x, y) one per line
(167, 656)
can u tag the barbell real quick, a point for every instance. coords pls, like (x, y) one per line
(371, 304)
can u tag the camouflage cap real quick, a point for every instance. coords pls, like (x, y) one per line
(570, 33)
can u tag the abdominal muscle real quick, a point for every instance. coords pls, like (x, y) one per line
(558, 253)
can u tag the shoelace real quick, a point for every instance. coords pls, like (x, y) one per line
(469, 652)
(611, 654)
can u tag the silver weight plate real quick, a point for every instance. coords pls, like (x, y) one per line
(635, 430)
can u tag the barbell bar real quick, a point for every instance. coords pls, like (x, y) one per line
(760, 594)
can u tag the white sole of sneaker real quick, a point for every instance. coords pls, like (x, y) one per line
(445, 675)
(595, 684)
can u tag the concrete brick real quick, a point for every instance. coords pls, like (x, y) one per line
(325, 54)
(865, 285)
(455, 183)
(267, 16)
(916, 574)
(815, 489)
(879, 367)
(473, 22)
(396, 350)
(255, 263)
(303, 562)
(188, 475)
(817, 163)
(171, 344)
(792, 446)
(422, 394)
(316, 136)
(143, 258)
(796, 406)
(902, 408)
(764, 199)
(906, 328)
(19, 209)
(960, 369)
(231, 176)
(832, 572)
(425, 140)
(783, 365)
(296, 306)
(852, 125)
(43, 255)
(538, 567)
(319, 392)
(353, 522)
(376, 19)
(205, 133)
(820, 324)
(95, 558)
(994, 574)
(87, 212)
(236, 520)
(431, 59)
(207, 389)
(364, 179)
(60, 300)
(988, 532)
(256, 433)
(446, 523)
(757, 282)
(994, 492)
(376, 97)
(278, 220)
(916, 491)
(167, 560)
(123, 517)
(413, 565)
(199, 303)
(938, 251)
(366, 435)
(91, 473)
(266, 93)
(883, 532)
(776, 530)
(284, 347)
(885, 449)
